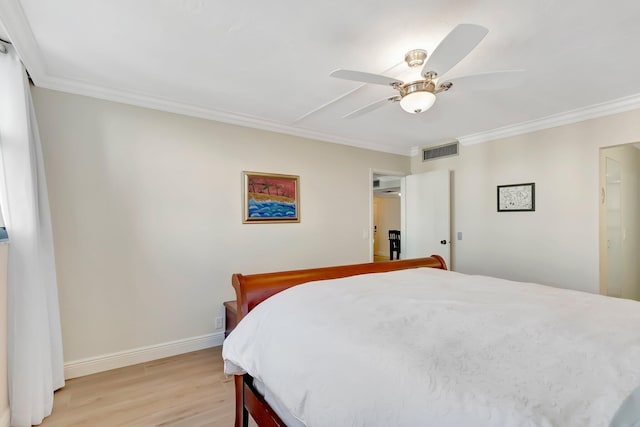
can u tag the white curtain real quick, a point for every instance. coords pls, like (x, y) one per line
(34, 355)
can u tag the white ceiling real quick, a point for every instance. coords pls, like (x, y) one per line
(266, 63)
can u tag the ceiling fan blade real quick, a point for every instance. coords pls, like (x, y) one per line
(368, 108)
(490, 81)
(360, 76)
(326, 104)
(395, 69)
(454, 47)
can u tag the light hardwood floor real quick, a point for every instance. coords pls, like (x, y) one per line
(189, 390)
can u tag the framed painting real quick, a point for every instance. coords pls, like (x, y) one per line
(517, 197)
(270, 197)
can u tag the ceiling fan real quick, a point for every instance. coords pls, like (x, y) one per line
(419, 94)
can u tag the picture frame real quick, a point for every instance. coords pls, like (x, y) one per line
(270, 198)
(517, 197)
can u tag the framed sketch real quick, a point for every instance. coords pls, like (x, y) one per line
(517, 197)
(270, 197)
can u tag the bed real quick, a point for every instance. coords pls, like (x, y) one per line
(405, 343)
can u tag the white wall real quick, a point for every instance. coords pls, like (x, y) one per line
(147, 216)
(558, 243)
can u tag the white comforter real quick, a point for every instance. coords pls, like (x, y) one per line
(427, 347)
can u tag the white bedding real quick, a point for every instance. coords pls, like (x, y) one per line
(426, 347)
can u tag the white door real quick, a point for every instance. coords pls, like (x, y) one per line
(425, 215)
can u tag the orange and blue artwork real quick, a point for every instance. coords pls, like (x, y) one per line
(271, 197)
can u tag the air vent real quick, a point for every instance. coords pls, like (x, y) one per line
(445, 150)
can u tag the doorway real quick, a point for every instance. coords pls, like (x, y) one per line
(620, 221)
(424, 217)
(386, 204)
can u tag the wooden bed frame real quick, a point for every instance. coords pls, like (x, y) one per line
(251, 290)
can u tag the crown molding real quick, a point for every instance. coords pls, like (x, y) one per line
(147, 101)
(17, 27)
(608, 108)
(156, 103)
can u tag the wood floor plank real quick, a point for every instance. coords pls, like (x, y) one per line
(188, 390)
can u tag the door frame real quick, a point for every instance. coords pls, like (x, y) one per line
(628, 219)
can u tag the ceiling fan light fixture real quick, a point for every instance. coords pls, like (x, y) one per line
(418, 101)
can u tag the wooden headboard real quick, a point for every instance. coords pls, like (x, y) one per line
(252, 289)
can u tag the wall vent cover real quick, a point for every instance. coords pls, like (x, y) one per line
(445, 150)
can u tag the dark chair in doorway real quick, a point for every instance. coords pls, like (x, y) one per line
(394, 243)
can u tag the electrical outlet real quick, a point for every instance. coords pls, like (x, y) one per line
(218, 322)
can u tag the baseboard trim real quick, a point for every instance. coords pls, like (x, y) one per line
(92, 365)
(5, 418)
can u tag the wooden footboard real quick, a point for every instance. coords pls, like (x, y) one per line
(252, 289)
